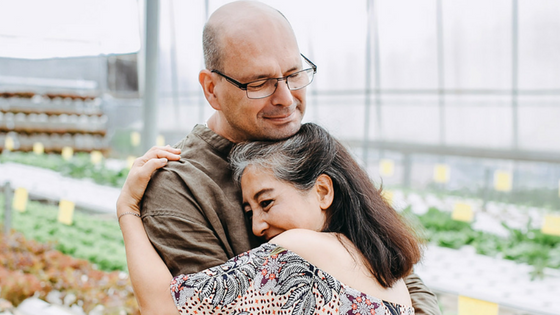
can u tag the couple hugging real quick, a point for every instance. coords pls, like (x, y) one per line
(255, 213)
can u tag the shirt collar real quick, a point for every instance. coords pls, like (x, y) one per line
(219, 143)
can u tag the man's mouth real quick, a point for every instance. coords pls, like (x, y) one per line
(281, 117)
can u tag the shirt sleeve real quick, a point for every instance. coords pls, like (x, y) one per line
(424, 301)
(178, 228)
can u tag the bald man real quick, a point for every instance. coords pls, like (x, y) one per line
(192, 209)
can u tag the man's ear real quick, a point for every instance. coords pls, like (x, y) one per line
(208, 85)
(325, 191)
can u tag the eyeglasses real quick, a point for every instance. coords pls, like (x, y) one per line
(265, 87)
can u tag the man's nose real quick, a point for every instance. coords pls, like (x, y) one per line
(283, 95)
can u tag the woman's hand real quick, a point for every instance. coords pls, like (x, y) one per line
(140, 174)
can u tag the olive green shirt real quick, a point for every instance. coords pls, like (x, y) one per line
(193, 216)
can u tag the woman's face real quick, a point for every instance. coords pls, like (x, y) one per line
(277, 206)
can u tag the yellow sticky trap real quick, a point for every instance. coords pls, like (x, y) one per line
(386, 167)
(470, 306)
(129, 161)
(551, 225)
(38, 148)
(135, 138)
(65, 211)
(96, 157)
(20, 199)
(441, 173)
(502, 181)
(388, 195)
(9, 143)
(160, 141)
(67, 153)
(462, 212)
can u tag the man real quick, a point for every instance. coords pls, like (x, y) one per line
(255, 79)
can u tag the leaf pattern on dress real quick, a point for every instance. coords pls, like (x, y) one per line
(280, 275)
(224, 283)
(298, 277)
(355, 302)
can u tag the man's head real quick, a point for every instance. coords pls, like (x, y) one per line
(247, 41)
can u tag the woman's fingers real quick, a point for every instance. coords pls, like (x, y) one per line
(155, 158)
(136, 183)
(158, 152)
(145, 171)
(140, 174)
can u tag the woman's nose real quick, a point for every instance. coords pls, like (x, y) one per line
(259, 225)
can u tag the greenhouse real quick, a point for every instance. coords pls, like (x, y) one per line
(450, 108)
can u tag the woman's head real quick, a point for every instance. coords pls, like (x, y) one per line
(292, 166)
(276, 206)
(318, 166)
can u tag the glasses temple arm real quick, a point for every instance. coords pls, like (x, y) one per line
(310, 62)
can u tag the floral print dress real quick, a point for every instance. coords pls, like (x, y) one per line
(272, 280)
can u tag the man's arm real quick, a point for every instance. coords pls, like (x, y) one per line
(184, 234)
(424, 301)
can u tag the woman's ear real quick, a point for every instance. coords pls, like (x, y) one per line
(206, 80)
(325, 191)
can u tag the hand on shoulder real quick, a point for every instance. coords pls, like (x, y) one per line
(140, 174)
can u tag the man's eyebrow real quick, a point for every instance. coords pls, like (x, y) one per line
(266, 76)
(255, 77)
(292, 69)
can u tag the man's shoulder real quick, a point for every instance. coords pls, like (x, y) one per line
(198, 152)
(200, 174)
(203, 139)
(183, 174)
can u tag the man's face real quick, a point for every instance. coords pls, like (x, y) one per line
(275, 117)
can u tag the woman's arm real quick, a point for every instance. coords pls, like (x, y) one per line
(149, 275)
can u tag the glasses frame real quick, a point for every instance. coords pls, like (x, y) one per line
(243, 86)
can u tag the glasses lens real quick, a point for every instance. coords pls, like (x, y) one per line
(265, 88)
(261, 88)
(300, 79)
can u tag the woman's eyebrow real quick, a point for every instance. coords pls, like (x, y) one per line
(260, 192)
(245, 204)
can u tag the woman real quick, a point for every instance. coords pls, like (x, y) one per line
(334, 244)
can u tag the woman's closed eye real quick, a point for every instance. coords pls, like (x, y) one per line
(249, 214)
(265, 204)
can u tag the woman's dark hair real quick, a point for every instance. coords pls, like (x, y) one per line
(358, 210)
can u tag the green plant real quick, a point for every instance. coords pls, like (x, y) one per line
(88, 237)
(29, 268)
(526, 245)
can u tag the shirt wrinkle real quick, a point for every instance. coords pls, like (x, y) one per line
(166, 212)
